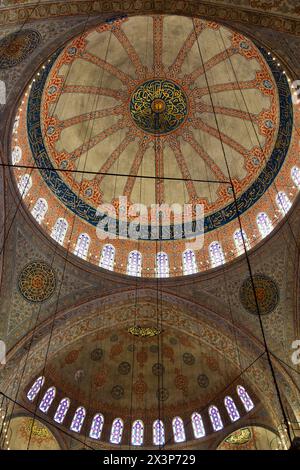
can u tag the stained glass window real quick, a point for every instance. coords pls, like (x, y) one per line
(62, 410)
(59, 230)
(178, 429)
(78, 419)
(36, 387)
(24, 184)
(238, 237)
(264, 224)
(116, 431)
(16, 124)
(215, 418)
(137, 433)
(134, 264)
(231, 408)
(39, 210)
(189, 262)
(162, 265)
(47, 399)
(97, 426)
(283, 202)
(16, 155)
(158, 433)
(245, 398)
(82, 245)
(107, 257)
(198, 426)
(216, 254)
(296, 176)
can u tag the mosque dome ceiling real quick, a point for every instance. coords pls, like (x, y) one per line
(159, 110)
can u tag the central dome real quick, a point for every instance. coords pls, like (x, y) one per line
(157, 110)
(158, 106)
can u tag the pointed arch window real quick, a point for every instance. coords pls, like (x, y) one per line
(231, 408)
(116, 431)
(107, 257)
(245, 398)
(47, 399)
(240, 237)
(189, 262)
(59, 230)
(134, 264)
(283, 202)
(16, 155)
(158, 433)
(39, 210)
(162, 265)
(82, 245)
(97, 426)
(178, 429)
(78, 419)
(62, 410)
(24, 184)
(36, 387)
(295, 173)
(216, 254)
(137, 433)
(198, 426)
(264, 224)
(215, 418)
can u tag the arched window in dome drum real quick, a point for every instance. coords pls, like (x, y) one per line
(82, 245)
(215, 418)
(245, 398)
(47, 399)
(107, 257)
(238, 237)
(283, 202)
(158, 433)
(295, 173)
(16, 155)
(264, 224)
(39, 210)
(78, 419)
(162, 265)
(59, 230)
(116, 431)
(198, 426)
(36, 387)
(178, 429)
(24, 185)
(97, 426)
(137, 433)
(189, 262)
(216, 254)
(231, 408)
(62, 410)
(134, 264)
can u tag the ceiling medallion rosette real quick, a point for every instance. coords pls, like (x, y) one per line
(37, 282)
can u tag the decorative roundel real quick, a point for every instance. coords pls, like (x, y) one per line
(15, 47)
(188, 359)
(37, 281)
(203, 380)
(158, 106)
(124, 368)
(267, 294)
(158, 369)
(162, 394)
(117, 392)
(97, 354)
